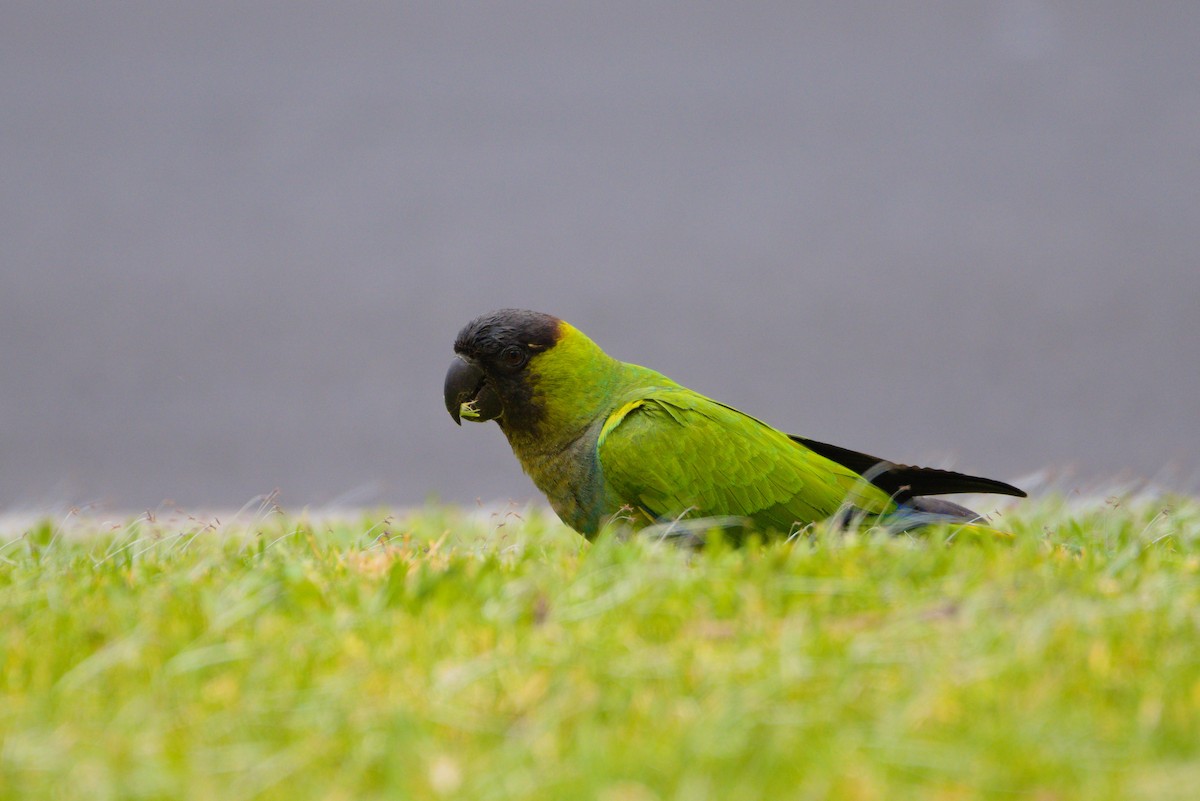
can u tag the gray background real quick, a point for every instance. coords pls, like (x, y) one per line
(238, 238)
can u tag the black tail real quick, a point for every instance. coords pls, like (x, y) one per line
(904, 482)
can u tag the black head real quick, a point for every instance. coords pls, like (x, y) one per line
(492, 352)
(490, 334)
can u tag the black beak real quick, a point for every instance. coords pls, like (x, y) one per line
(462, 382)
(468, 394)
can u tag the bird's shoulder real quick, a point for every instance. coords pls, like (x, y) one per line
(650, 406)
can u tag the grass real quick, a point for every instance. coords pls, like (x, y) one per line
(444, 655)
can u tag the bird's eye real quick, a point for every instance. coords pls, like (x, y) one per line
(513, 356)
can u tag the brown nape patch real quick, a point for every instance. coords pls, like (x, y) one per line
(490, 333)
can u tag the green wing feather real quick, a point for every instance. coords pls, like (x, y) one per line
(671, 452)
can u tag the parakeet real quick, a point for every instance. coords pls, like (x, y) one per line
(604, 438)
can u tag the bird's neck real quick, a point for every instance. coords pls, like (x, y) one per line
(572, 385)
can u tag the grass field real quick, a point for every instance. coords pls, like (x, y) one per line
(442, 654)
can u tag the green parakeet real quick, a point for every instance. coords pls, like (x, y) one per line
(603, 438)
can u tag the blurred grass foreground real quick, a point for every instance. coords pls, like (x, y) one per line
(441, 654)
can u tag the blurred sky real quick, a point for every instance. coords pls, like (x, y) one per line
(238, 238)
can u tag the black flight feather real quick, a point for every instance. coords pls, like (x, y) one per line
(902, 481)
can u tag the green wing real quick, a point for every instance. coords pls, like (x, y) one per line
(671, 452)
